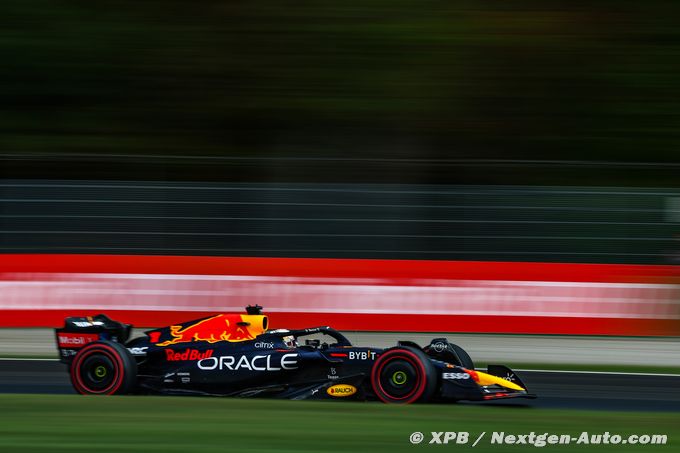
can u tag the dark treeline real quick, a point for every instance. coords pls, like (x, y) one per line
(101, 89)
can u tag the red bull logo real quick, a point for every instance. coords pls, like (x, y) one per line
(228, 327)
(189, 354)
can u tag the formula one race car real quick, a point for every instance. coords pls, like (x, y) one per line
(236, 355)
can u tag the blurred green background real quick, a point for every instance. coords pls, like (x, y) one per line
(134, 83)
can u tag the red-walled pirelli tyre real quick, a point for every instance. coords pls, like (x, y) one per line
(403, 375)
(103, 368)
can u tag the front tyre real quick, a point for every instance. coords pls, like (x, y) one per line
(103, 368)
(403, 375)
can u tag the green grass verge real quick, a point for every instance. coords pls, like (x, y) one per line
(66, 423)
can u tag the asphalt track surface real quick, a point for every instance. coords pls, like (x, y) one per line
(557, 390)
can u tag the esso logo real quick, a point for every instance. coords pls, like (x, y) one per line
(454, 376)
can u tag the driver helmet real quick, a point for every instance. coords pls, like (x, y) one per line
(290, 341)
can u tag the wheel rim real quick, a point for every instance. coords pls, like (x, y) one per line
(98, 372)
(399, 378)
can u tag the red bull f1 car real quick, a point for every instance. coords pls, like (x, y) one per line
(237, 355)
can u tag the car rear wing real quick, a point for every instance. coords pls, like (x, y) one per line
(80, 331)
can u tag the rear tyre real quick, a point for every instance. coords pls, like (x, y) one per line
(103, 368)
(403, 375)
